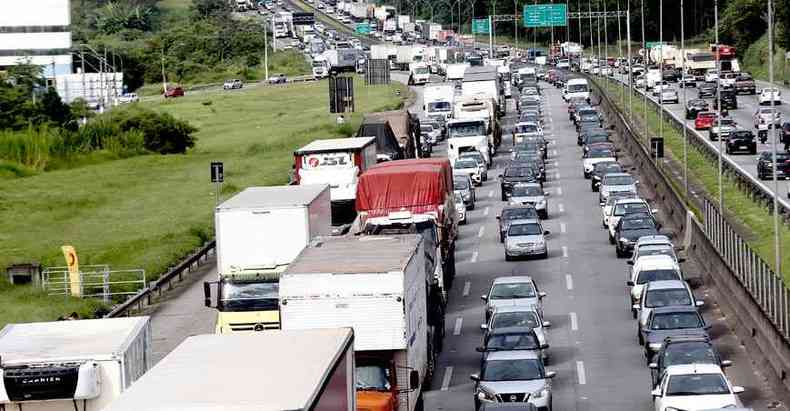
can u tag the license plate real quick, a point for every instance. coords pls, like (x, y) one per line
(744, 147)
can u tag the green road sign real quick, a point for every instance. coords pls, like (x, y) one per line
(480, 26)
(363, 28)
(546, 15)
(651, 44)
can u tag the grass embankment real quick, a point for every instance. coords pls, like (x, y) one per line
(755, 61)
(149, 211)
(750, 214)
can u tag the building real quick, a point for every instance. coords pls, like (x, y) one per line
(36, 31)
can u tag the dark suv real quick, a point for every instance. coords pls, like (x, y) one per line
(694, 107)
(513, 175)
(685, 349)
(765, 168)
(741, 140)
(729, 100)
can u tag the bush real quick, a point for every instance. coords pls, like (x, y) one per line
(135, 129)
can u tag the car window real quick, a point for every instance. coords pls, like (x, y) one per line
(663, 298)
(697, 384)
(646, 276)
(518, 172)
(637, 224)
(599, 153)
(526, 191)
(525, 128)
(628, 208)
(520, 341)
(688, 353)
(461, 184)
(515, 319)
(524, 213)
(676, 321)
(618, 180)
(524, 229)
(510, 291)
(512, 370)
(465, 164)
(656, 251)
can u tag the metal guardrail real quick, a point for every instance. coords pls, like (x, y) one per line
(96, 281)
(163, 283)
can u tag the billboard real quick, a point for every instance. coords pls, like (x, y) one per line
(35, 13)
(93, 87)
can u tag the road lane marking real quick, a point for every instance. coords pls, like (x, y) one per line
(574, 321)
(565, 251)
(559, 191)
(561, 207)
(459, 322)
(485, 211)
(491, 194)
(467, 287)
(580, 372)
(569, 282)
(554, 152)
(562, 227)
(474, 257)
(481, 231)
(448, 375)
(558, 176)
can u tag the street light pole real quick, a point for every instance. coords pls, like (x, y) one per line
(589, 10)
(266, 50)
(630, 70)
(515, 21)
(777, 238)
(661, 70)
(644, 58)
(718, 101)
(685, 132)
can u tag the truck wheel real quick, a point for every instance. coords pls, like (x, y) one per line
(420, 406)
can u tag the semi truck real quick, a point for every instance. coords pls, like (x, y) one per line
(66, 365)
(275, 370)
(259, 231)
(438, 101)
(484, 81)
(377, 286)
(320, 67)
(283, 24)
(360, 11)
(467, 136)
(405, 127)
(480, 107)
(341, 60)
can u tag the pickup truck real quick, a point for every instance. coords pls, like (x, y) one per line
(744, 83)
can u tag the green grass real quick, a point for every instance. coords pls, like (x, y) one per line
(170, 5)
(755, 61)
(149, 211)
(749, 214)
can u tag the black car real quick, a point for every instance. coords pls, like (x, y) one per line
(669, 75)
(588, 114)
(630, 228)
(600, 170)
(706, 89)
(516, 212)
(589, 131)
(513, 175)
(765, 169)
(670, 321)
(695, 106)
(729, 100)
(685, 349)
(534, 164)
(511, 338)
(594, 138)
(584, 126)
(741, 140)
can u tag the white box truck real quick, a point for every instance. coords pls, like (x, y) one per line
(378, 286)
(484, 81)
(275, 370)
(259, 231)
(337, 162)
(438, 102)
(68, 365)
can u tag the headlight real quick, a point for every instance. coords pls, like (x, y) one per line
(540, 394)
(484, 395)
(541, 203)
(654, 346)
(466, 196)
(624, 240)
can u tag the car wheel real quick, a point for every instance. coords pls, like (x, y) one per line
(611, 239)
(633, 313)
(501, 237)
(544, 215)
(586, 175)
(639, 337)
(472, 206)
(508, 258)
(618, 252)
(544, 255)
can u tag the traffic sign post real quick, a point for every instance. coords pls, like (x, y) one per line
(546, 15)
(217, 176)
(303, 19)
(481, 26)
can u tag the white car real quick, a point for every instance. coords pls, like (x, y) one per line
(622, 207)
(767, 115)
(608, 206)
(770, 93)
(669, 95)
(460, 208)
(661, 86)
(468, 167)
(664, 293)
(695, 387)
(711, 76)
(128, 98)
(647, 269)
(728, 80)
(640, 81)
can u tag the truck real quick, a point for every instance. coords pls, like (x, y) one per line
(668, 53)
(403, 20)
(484, 81)
(406, 55)
(341, 60)
(419, 73)
(339, 163)
(283, 24)
(259, 231)
(405, 127)
(320, 67)
(305, 33)
(263, 371)
(455, 73)
(570, 50)
(390, 27)
(378, 288)
(481, 107)
(360, 11)
(697, 62)
(438, 101)
(384, 13)
(468, 135)
(62, 364)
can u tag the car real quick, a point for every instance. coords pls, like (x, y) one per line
(589, 114)
(765, 168)
(464, 187)
(705, 120)
(695, 387)
(647, 269)
(525, 238)
(591, 138)
(623, 207)
(727, 80)
(659, 87)
(612, 182)
(512, 213)
(654, 245)
(728, 98)
(513, 175)
(519, 290)
(128, 98)
(767, 115)
(534, 163)
(741, 140)
(514, 338)
(513, 376)
(460, 208)
(669, 75)
(668, 95)
(173, 92)
(640, 81)
(685, 349)
(608, 208)
(277, 79)
(232, 84)
(531, 194)
(581, 137)
(711, 76)
(664, 293)
(768, 94)
(669, 321)
(429, 133)
(744, 83)
(600, 170)
(468, 166)
(479, 159)
(707, 89)
(630, 228)
(518, 316)
(721, 128)
(687, 80)
(596, 155)
(694, 107)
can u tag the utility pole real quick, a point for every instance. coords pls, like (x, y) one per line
(598, 29)
(630, 64)
(491, 36)
(164, 77)
(266, 50)
(718, 101)
(777, 238)
(82, 75)
(644, 61)
(685, 132)
(580, 29)
(589, 10)
(515, 21)
(661, 70)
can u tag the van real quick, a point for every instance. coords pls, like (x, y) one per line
(576, 88)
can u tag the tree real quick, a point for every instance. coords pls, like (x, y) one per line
(218, 9)
(55, 111)
(27, 76)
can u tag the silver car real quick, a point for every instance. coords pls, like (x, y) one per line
(481, 162)
(518, 316)
(512, 291)
(460, 208)
(463, 186)
(526, 238)
(533, 194)
(615, 182)
(468, 166)
(513, 376)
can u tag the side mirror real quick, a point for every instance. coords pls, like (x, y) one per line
(547, 232)
(414, 379)
(484, 297)
(474, 377)
(544, 346)
(480, 349)
(630, 262)
(737, 389)
(699, 303)
(652, 366)
(483, 327)
(541, 294)
(207, 293)
(681, 259)
(499, 217)
(552, 374)
(629, 283)
(501, 176)
(546, 194)
(657, 392)
(726, 363)
(655, 210)
(546, 324)
(636, 306)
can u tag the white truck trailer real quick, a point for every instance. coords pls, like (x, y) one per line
(276, 370)
(378, 286)
(259, 232)
(68, 365)
(438, 101)
(484, 81)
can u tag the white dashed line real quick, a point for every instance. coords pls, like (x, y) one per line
(561, 207)
(491, 194)
(448, 375)
(459, 322)
(574, 321)
(485, 211)
(481, 231)
(474, 257)
(467, 287)
(565, 251)
(579, 371)
(554, 152)
(569, 282)
(559, 191)
(562, 227)
(558, 176)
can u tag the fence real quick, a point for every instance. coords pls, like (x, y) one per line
(378, 71)
(95, 281)
(754, 274)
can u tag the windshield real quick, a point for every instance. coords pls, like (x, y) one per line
(513, 290)
(599, 153)
(525, 128)
(526, 191)
(656, 251)
(628, 208)
(440, 106)
(515, 319)
(467, 129)
(697, 384)
(466, 163)
(421, 70)
(519, 213)
(512, 370)
(249, 296)
(461, 184)
(688, 353)
(618, 180)
(637, 224)
(676, 321)
(577, 88)
(521, 341)
(663, 298)
(597, 138)
(318, 63)
(524, 229)
(657, 275)
(371, 377)
(518, 172)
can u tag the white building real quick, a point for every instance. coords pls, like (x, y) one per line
(36, 31)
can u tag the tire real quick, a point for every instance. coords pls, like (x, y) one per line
(544, 215)
(633, 313)
(544, 255)
(639, 338)
(501, 237)
(471, 206)
(420, 406)
(611, 239)
(508, 258)
(619, 253)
